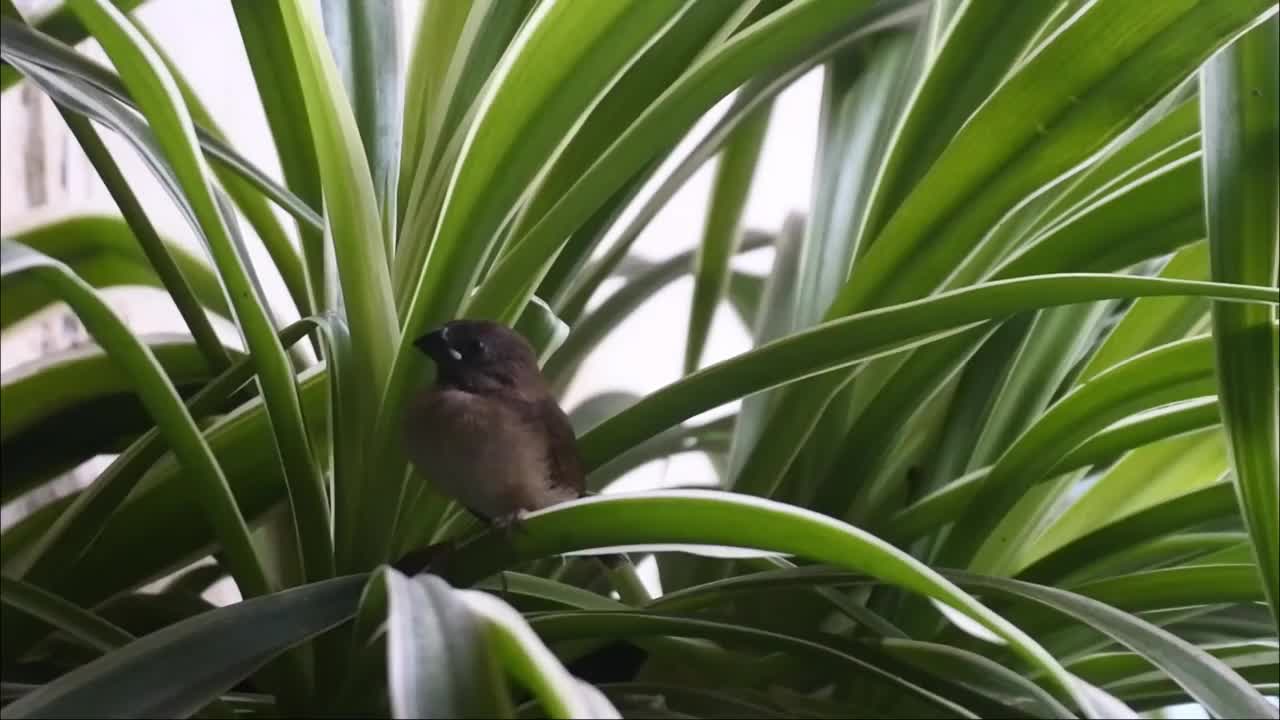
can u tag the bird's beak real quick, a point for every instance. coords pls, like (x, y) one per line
(435, 345)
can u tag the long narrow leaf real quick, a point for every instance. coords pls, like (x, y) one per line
(1240, 114)
(844, 342)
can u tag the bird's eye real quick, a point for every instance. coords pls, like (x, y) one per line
(474, 349)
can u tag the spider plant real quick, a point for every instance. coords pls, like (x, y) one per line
(1007, 443)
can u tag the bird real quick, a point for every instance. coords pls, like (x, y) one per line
(491, 436)
(488, 432)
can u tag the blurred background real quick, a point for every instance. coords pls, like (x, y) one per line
(45, 176)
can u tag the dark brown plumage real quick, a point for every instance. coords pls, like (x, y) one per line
(488, 432)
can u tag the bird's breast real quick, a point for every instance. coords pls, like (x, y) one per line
(479, 451)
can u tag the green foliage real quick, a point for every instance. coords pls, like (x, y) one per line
(1008, 440)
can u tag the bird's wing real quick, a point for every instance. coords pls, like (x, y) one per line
(563, 464)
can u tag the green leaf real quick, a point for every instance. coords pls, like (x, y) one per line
(60, 23)
(68, 406)
(155, 249)
(366, 49)
(1121, 62)
(1240, 114)
(716, 518)
(524, 115)
(125, 556)
(250, 202)
(68, 617)
(979, 46)
(19, 41)
(525, 657)
(1213, 502)
(843, 342)
(161, 400)
(178, 670)
(103, 251)
(661, 64)
(1141, 479)
(1220, 689)
(722, 231)
(277, 81)
(80, 525)
(540, 326)
(784, 39)
(985, 675)
(1154, 321)
(440, 31)
(455, 50)
(838, 660)
(1173, 372)
(159, 98)
(438, 664)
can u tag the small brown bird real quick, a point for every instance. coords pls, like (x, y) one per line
(488, 432)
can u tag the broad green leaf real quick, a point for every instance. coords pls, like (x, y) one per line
(1240, 116)
(1184, 511)
(1176, 587)
(77, 527)
(180, 669)
(1121, 62)
(125, 555)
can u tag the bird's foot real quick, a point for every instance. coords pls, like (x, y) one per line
(511, 523)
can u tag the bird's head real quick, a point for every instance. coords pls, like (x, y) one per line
(481, 356)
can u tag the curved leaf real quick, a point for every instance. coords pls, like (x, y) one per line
(175, 671)
(716, 518)
(103, 251)
(156, 93)
(161, 400)
(843, 342)
(1219, 688)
